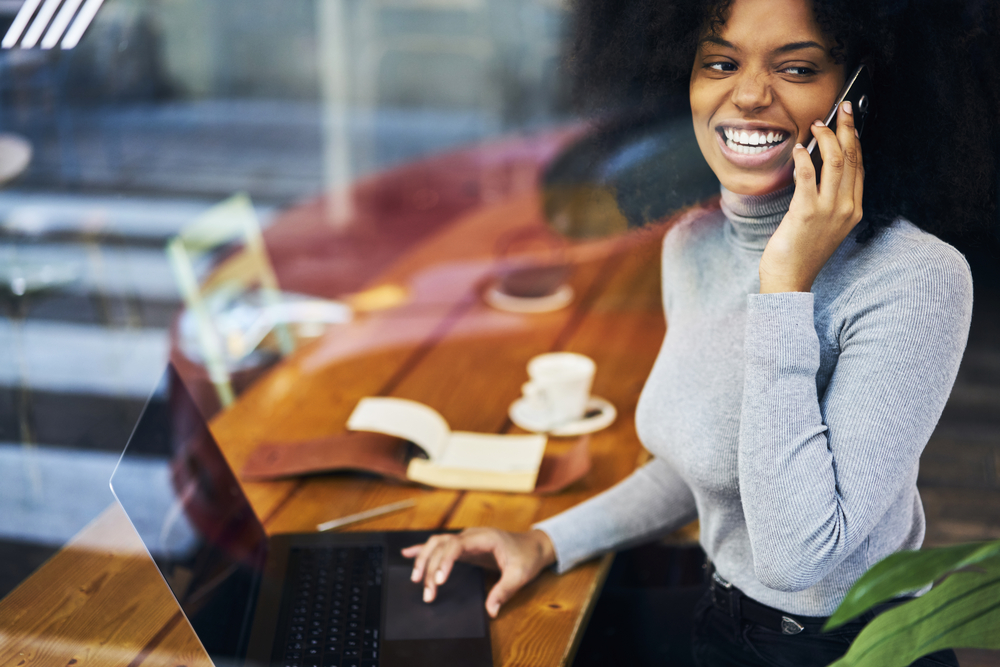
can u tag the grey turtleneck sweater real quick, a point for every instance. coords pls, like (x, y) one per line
(790, 424)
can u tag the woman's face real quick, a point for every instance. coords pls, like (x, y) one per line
(756, 87)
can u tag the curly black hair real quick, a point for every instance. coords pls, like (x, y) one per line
(931, 150)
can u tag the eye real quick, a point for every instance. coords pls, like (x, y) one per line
(798, 70)
(721, 66)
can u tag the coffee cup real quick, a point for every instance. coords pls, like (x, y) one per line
(559, 388)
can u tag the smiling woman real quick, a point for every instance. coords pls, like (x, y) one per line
(814, 331)
(757, 85)
(931, 149)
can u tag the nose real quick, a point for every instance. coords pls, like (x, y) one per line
(751, 91)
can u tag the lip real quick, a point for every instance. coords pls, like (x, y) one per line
(778, 154)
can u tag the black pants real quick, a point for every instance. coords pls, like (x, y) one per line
(671, 625)
(717, 640)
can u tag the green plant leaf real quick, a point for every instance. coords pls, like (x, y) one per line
(962, 611)
(905, 572)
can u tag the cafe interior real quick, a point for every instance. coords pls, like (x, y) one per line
(277, 213)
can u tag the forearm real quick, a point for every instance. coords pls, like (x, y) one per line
(652, 501)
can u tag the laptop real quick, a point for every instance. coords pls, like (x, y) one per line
(289, 600)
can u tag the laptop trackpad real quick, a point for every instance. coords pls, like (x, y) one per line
(457, 613)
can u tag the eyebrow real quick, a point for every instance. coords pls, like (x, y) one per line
(794, 46)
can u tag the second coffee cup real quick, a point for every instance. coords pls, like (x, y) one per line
(559, 387)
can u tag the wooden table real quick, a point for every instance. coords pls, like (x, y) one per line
(100, 600)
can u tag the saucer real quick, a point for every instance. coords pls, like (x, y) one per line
(559, 299)
(601, 415)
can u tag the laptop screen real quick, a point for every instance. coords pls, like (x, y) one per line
(183, 500)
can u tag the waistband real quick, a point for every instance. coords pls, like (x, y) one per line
(735, 603)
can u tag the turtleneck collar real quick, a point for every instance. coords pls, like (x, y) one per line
(754, 218)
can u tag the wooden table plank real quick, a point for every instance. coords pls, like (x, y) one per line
(104, 602)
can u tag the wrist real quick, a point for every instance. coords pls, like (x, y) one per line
(544, 548)
(782, 288)
(770, 284)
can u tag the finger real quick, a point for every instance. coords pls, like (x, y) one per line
(412, 552)
(846, 130)
(806, 191)
(847, 136)
(451, 553)
(833, 161)
(859, 184)
(433, 565)
(510, 582)
(419, 565)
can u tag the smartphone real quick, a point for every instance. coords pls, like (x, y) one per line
(857, 91)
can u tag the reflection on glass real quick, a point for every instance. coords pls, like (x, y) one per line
(364, 131)
(203, 534)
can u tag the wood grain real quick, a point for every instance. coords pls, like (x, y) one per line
(620, 327)
(98, 601)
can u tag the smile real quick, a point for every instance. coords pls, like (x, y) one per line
(752, 142)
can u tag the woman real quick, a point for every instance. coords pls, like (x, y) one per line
(808, 357)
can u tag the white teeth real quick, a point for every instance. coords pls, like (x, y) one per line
(755, 142)
(746, 149)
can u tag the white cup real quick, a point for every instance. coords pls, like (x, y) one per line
(559, 387)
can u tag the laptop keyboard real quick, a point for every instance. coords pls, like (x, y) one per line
(335, 612)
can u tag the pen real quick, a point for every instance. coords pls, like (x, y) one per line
(367, 514)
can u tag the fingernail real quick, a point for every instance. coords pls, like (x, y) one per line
(439, 577)
(819, 123)
(427, 595)
(847, 107)
(799, 146)
(494, 608)
(414, 576)
(856, 133)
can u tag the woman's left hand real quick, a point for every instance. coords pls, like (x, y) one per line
(819, 217)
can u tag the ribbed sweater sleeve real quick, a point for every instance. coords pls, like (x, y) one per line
(817, 473)
(653, 500)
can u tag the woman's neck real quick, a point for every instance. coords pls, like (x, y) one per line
(754, 218)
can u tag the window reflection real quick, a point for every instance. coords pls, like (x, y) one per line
(166, 107)
(359, 130)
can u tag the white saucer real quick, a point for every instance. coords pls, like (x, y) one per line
(559, 299)
(521, 415)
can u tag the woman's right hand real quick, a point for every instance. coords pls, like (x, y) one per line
(518, 556)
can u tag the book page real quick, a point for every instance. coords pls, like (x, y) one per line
(404, 419)
(493, 453)
(430, 474)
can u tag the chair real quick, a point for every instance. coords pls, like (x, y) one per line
(248, 272)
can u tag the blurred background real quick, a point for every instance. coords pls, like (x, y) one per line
(166, 107)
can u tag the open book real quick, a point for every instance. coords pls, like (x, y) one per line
(455, 459)
(386, 431)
